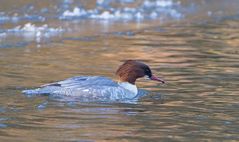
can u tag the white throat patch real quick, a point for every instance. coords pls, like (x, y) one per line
(130, 87)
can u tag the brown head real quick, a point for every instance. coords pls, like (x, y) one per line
(131, 70)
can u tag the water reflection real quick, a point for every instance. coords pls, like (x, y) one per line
(198, 103)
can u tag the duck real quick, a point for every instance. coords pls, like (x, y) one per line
(100, 88)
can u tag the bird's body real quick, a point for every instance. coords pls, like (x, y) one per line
(98, 88)
(87, 87)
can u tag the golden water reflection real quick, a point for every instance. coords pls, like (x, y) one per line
(199, 64)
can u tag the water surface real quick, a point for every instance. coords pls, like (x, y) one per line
(197, 58)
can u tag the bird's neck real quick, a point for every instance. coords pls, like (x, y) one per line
(130, 80)
(128, 86)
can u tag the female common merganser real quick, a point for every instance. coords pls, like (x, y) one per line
(98, 88)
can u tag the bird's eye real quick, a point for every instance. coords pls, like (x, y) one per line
(148, 72)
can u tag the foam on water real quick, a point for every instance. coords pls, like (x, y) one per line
(2, 35)
(67, 10)
(29, 27)
(31, 32)
(76, 12)
(77, 16)
(144, 11)
(16, 18)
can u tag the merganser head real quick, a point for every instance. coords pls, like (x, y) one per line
(131, 70)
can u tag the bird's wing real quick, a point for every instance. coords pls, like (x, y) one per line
(83, 81)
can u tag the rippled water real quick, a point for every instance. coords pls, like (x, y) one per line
(197, 58)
